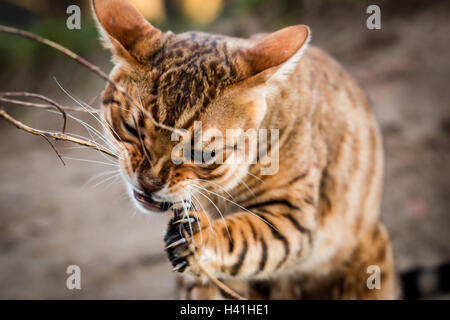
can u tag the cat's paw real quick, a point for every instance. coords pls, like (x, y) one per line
(182, 235)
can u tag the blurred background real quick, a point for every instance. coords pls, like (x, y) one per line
(52, 216)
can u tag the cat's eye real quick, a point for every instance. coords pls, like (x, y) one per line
(131, 130)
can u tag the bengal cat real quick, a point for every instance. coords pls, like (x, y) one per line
(308, 231)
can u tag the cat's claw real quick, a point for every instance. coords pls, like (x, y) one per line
(173, 244)
(179, 266)
(177, 246)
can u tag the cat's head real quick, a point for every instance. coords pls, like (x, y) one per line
(186, 82)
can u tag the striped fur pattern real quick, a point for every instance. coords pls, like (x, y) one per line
(309, 231)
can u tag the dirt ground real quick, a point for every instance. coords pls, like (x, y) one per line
(53, 216)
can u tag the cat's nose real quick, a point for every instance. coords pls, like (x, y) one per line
(150, 185)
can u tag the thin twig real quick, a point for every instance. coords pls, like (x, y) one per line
(45, 106)
(213, 279)
(40, 97)
(54, 135)
(56, 46)
(86, 64)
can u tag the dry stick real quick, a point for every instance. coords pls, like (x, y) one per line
(10, 119)
(58, 47)
(77, 58)
(213, 279)
(58, 136)
(54, 135)
(40, 97)
(45, 106)
(85, 64)
(52, 105)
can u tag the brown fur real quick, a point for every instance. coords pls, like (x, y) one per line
(314, 227)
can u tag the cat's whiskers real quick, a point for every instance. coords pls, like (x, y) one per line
(101, 121)
(205, 188)
(203, 209)
(84, 147)
(88, 108)
(241, 207)
(254, 176)
(111, 178)
(186, 215)
(214, 183)
(91, 131)
(210, 228)
(92, 140)
(248, 188)
(92, 161)
(195, 189)
(197, 214)
(102, 174)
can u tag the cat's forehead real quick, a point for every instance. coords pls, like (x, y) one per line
(189, 72)
(191, 44)
(196, 54)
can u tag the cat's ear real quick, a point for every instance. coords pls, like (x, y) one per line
(125, 30)
(282, 48)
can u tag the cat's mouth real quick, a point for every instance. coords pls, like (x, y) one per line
(147, 201)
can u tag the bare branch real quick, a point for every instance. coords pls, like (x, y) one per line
(87, 65)
(56, 46)
(45, 106)
(40, 97)
(54, 149)
(54, 135)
